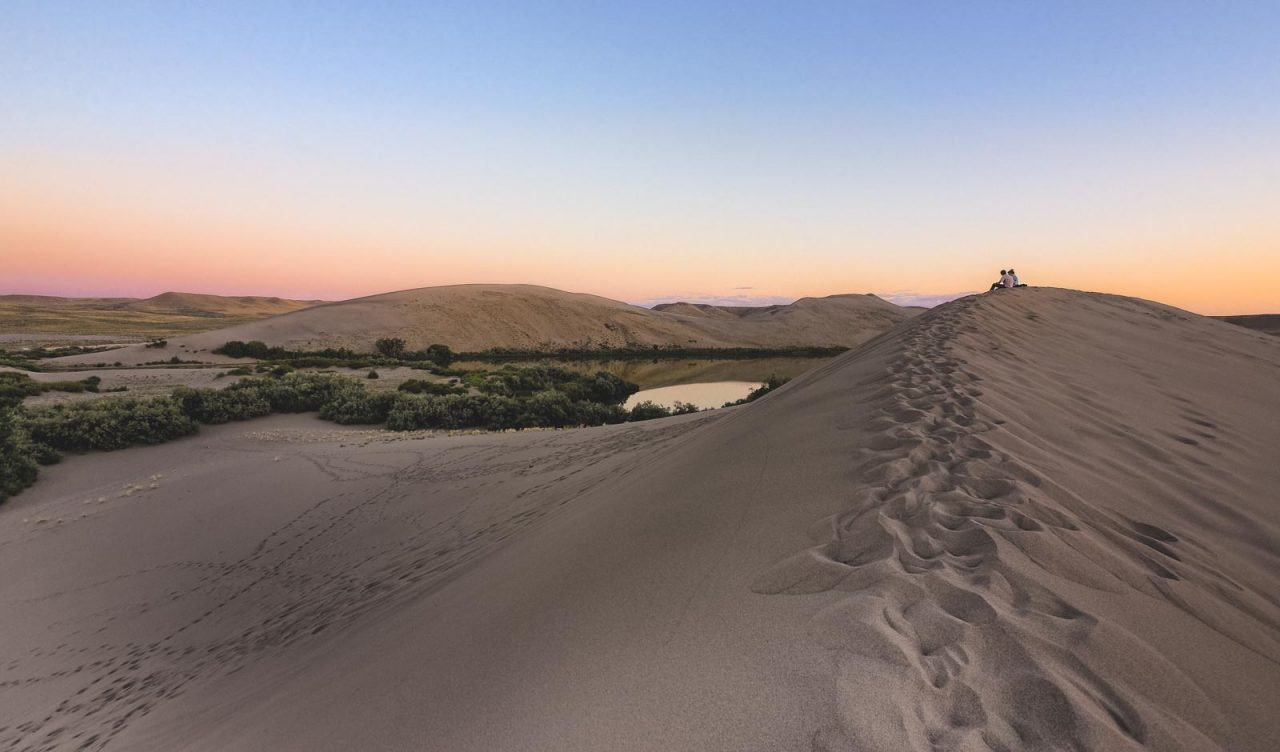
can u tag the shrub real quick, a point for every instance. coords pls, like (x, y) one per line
(421, 386)
(773, 382)
(106, 424)
(14, 387)
(441, 355)
(361, 407)
(298, 392)
(17, 465)
(253, 349)
(684, 408)
(239, 371)
(158, 344)
(548, 409)
(525, 381)
(602, 387)
(648, 411)
(409, 412)
(372, 374)
(390, 347)
(212, 406)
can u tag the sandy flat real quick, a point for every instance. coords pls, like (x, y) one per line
(1038, 519)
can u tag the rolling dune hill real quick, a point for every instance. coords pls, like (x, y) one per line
(526, 317)
(165, 314)
(1037, 519)
(1268, 323)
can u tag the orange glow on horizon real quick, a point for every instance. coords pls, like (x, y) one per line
(78, 243)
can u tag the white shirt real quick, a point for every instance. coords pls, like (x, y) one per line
(1007, 280)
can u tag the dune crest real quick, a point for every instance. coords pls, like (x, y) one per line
(963, 555)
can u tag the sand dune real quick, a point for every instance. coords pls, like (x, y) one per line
(526, 317)
(1268, 323)
(1038, 519)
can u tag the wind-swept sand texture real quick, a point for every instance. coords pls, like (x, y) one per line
(471, 318)
(1032, 520)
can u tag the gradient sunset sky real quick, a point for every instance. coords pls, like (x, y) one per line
(642, 150)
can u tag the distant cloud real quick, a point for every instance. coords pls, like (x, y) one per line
(927, 300)
(745, 287)
(724, 300)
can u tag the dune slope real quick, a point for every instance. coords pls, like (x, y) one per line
(526, 317)
(1038, 519)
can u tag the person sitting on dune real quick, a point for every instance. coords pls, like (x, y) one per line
(1005, 281)
(1016, 283)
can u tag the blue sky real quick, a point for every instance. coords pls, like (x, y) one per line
(794, 148)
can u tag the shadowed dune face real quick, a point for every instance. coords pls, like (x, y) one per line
(1262, 322)
(1037, 519)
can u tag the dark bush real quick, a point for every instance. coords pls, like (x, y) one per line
(14, 387)
(602, 387)
(525, 381)
(17, 462)
(773, 382)
(298, 392)
(108, 423)
(421, 386)
(410, 412)
(441, 355)
(648, 411)
(212, 406)
(361, 407)
(372, 374)
(390, 347)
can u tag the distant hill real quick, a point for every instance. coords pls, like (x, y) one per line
(527, 317)
(1267, 323)
(163, 315)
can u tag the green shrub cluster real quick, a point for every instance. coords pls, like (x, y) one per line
(17, 460)
(649, 410)
(357, 406)
(106, 424)
(517, 398)
(421, 386)
(773, 382)
(545, 409)
(652, 352)
(15, 385)
(525, 381)
(387, 351)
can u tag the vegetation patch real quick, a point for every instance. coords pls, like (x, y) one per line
(18, 386)
(514, 398)
(773, 382)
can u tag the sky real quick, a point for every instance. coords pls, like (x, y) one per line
(642, 151)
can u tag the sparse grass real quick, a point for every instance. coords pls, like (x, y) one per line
(35, 318)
